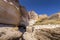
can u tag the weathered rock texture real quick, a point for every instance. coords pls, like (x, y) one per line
(10, 33)
(33, 15)
(42, 17)
(24, 18)
(48, 34)
(46, 28)
(55, 16)
(9, 14)
(43, 33)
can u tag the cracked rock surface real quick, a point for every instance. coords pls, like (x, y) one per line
(9, 33)
(43, 34)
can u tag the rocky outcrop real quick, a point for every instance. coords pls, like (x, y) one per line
(48, 34)
(55, 16)
(33, 15)
(12, 15)
(10, 33)
(53, 19)
(43, 17)
(42, 32)
(9, 14)
(24, 18)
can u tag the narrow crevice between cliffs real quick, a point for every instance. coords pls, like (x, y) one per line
(22, 28)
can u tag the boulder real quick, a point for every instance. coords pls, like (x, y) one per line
(24, 18)
(9, 14)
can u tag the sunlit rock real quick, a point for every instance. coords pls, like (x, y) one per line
(9, 33)
(42, 17)
(33, 15)
(55, 16)
(43, 32)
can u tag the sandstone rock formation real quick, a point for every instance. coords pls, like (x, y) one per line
(24, 18)
(12, 14)
(33, 15)
(50, 30)
(44, 33)
(53, 19)
(9, 14)
(48, 34)
(9, 33)
(43, 17)
(55, 16)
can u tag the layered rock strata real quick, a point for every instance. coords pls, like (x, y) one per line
(40, 32)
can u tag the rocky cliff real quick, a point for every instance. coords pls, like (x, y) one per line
(18, 24)
(10, 18)
(6, 12)
(45, 28)
(33, 17)
(42, 32)
(53, 19)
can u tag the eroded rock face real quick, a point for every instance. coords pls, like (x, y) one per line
(9, 33)
(9, 14)
(24, 16)
(48, 34)
(55, 16)
(29, 36)
(43, 17)
(42, 33)
(33, 15)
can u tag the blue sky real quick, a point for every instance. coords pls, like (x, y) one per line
(42, 6)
